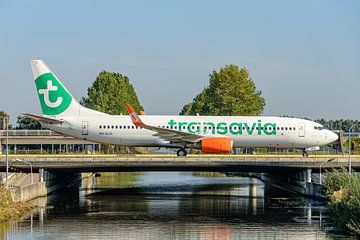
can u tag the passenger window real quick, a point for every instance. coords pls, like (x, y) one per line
(285, 128)
(112, 126)
(282, 128)
(100, 126)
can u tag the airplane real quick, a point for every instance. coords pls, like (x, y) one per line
(211, 134)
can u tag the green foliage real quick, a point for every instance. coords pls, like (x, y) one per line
(231, 92)
(5, 198)
(109, 93)
(343, 124)
(343, 194)
(3, 116)
(24, 122)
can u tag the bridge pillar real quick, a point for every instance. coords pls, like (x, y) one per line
(308, 175)
(41, 175)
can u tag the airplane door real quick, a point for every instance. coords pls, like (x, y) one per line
(301, 130)
(85, 128)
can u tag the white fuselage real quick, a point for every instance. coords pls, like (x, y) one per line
(270, 132)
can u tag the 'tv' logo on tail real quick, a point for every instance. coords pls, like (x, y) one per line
(46, 94)
(54, 98)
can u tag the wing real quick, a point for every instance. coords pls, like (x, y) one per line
(42, 118)
(163, 133)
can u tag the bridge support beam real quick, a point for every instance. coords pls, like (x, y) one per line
(299, 183)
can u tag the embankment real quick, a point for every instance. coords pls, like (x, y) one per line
(343, 196)
(10, 209)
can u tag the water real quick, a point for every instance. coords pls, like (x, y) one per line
(171, 206)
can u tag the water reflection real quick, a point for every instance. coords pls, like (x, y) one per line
(170, 206)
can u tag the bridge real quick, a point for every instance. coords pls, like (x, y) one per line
(152, 162)
(292, 172)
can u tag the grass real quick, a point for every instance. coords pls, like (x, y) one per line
(10, 210)
(343, 196)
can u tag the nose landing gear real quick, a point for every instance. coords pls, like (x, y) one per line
(305, 153)
(181, 152)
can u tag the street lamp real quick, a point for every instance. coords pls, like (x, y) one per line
(349, 147)
(7, 151)
(31, 171)
(330, 160)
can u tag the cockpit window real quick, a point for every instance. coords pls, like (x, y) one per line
(319, 127)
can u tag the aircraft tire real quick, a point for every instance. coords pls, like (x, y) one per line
(305, 153)
(181, 152)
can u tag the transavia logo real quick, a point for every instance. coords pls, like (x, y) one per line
(47, 100)
(234, 128)
(54, 99)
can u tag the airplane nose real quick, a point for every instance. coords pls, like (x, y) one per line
(332, 137)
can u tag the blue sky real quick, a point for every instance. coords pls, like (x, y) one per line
(303, 55)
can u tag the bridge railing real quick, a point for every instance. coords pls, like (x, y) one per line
(29, 133)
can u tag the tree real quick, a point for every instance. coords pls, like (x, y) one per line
(27, 123)
(231, 92)
(3, 117)
(343, 124)
(109, 93)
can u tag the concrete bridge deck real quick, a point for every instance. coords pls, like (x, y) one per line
(166, 162)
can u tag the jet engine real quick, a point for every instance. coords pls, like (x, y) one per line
(220, 145)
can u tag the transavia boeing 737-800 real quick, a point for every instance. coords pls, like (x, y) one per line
(211, 134)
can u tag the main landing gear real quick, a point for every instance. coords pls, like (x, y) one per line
(181, 152)
(305, 153)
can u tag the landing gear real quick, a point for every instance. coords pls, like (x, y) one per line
(305, 153)
(181, 152)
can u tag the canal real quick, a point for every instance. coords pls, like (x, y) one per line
(171, 205)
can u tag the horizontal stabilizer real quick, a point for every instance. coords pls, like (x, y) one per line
(42, 119)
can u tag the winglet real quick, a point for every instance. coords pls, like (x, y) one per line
(134, 117)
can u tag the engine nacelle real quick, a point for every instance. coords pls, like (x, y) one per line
(216, 145)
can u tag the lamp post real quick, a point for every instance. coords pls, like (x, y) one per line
(323, 164)
(349, 147)
(31, 171)
(7, 151)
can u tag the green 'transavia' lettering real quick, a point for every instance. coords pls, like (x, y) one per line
(234, 128)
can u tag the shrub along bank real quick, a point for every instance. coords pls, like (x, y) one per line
(343, 196)
(11, 210)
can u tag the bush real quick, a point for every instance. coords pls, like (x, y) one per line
(5, 197)
(343, 195)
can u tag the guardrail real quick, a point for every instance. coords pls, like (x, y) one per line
(29, 133)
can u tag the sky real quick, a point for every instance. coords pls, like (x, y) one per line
(303, 55)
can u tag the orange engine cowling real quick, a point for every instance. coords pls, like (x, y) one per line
(216, 145)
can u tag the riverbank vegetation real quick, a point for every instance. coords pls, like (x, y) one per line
(343, 195)
(9, 209)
